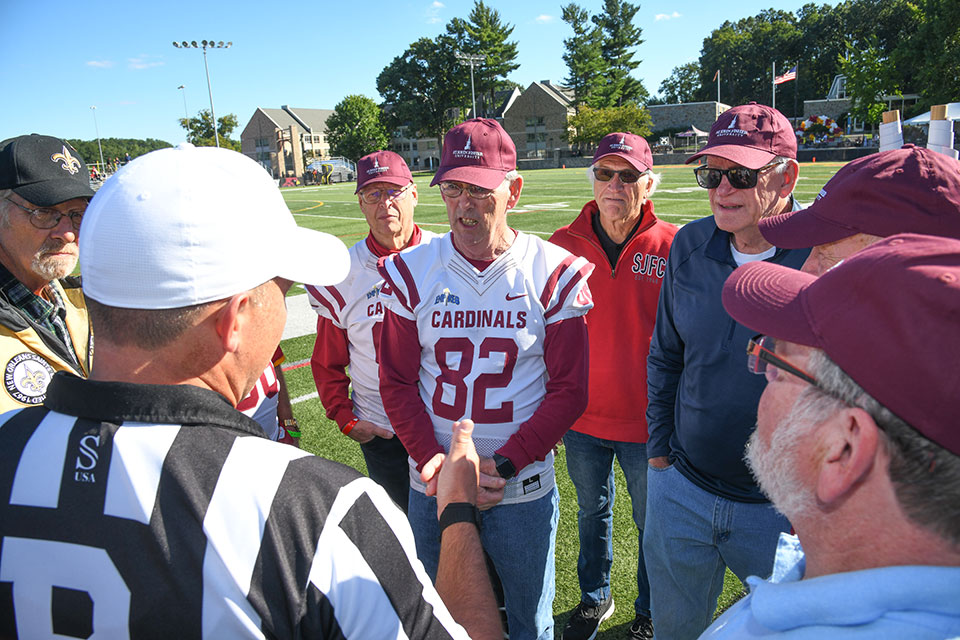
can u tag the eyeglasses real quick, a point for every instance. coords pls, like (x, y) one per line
(49, 218)
(627, 176)
(762, 360)
(738, 177)
(373, 196)
(455, 190)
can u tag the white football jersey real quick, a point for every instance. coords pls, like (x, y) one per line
(482, 337)
(355, 306)
(261, 403)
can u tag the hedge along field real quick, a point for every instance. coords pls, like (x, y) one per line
(550, 199)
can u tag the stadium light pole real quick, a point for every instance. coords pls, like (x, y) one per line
(471, 59)
(183, 91)
(97, 129)
(206, 44)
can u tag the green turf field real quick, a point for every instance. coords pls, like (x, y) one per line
(550, 199)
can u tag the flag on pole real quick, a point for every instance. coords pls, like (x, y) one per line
(716, 75)
(787, 77)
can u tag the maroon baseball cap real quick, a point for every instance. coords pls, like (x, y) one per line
(751, 135)
(907, 190)
(888, 317)
(383, 166)
(632, 148)
(476, 152)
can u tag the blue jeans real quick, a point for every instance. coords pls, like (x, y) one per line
(691, 536)
(387, 466)
(520, 540)
(590, 465)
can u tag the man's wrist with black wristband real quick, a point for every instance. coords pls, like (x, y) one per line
(459, 512)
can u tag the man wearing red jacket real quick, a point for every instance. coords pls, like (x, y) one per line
(617, 228)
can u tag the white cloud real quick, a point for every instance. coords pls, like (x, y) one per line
(433, 11)
(666, 16)
(143, 61)
(100, 64)
(543, 18)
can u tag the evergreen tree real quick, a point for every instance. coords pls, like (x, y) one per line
(620, 36)
(582, 55)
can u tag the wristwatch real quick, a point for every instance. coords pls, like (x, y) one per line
(459, 512)
(504, 467)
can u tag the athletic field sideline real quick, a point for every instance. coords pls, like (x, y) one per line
(551, 198)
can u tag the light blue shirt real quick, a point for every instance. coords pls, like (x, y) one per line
(915, 602)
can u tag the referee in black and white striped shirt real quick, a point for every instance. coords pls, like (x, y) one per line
(140, 503)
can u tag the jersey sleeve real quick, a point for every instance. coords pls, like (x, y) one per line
(399, 291)
(328, 302)
(331, 356)
(566, 293)
(664, 367)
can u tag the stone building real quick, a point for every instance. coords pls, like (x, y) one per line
(285, 140)
(537, 120)
(701, 115)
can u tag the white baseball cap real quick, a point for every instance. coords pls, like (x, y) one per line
(184, 226)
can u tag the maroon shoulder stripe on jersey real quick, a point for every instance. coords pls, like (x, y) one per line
(404, 271)
(322, 299)
(580, 275)
(554, 279)
(389, 283)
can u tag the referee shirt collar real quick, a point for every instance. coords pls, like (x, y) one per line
(119, 402)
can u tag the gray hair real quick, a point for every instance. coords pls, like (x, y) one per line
(654, 182)
(511, 176)
(925, 476)
(4, 212)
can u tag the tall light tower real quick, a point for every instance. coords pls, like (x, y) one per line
(206, 44)
(471, 59)
(96, 127)
(183, 90)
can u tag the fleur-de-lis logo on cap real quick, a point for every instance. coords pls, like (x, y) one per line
(467, 146)
(70, 164)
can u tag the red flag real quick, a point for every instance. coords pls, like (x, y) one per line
(716, 75)
(787, 77)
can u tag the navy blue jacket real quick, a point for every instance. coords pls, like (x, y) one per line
(702, 400)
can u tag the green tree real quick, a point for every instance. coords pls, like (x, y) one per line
(620, 37)
(483, 33)
(116, 148)
(355, 128)
(200, 130)
(423, 87)
(867, 80)
(590, 125)
(582, 55)
(932, 51)
(682, 84)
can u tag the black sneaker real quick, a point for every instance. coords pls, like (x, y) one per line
(641, 629)
(586, 619)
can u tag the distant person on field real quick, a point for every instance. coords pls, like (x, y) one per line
(619, 230)
(351, 318)
(44, 191)
(705, 513)
(857, 443)
(907, 190)
(140, 503)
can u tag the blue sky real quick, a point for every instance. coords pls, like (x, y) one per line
(59, 58)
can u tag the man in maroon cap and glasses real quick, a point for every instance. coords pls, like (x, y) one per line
(618, 230)
(857, 442)
(487, 323)
(705, 512)
(907, 190)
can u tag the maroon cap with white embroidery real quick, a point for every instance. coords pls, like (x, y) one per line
(632, 148)
(907, 190)
(751, 135)
(887, 316)
(383, 166)
(476, 152)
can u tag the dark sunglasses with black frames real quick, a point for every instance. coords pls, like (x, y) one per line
(738, 177)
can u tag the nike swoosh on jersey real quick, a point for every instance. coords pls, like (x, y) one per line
(516, 297)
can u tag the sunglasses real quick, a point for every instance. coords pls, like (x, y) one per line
(738, 177)
(627, 176)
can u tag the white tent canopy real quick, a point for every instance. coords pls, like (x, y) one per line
(953, 113)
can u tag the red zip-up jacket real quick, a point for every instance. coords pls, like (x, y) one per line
(620, 326)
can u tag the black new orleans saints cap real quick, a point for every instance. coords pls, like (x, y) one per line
(43, 170)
